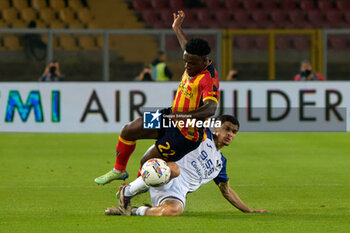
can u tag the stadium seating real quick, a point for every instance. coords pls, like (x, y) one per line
(325, 5)
(93, 25)
(316, 18)
(301, 42)
(28, 14)
(57, 4)
(307, 5)
(11, 42)
(251, 4)
(343, 5)
(347, 16)
(149, 16)
(337, 42)
(56, 24)
(140, 5)
(3, 24)
(261, 42)
(176, 5)
(18, 24)
(20, 4)
(232, 5)
(334, 18)
(87, 42)
(47, 15)
(279, 18)
(85, 15)
(297, 18)
(40, 24)
(68, 42)
(283, 42)
(288, 5)
(203, 15)
(166, 16)
(75, 4)
(213, 4)
(223, 17)
(4, 4)
(158, 4)
(66, 15)
(243, 42)
(10, 14)
(39, 4)
(288, 14)
(268, 5)
(242, 17)
(76, 25)
(261, 18)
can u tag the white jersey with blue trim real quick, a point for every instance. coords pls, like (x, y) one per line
(203, 165)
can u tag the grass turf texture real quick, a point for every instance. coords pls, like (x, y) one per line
(303, 179)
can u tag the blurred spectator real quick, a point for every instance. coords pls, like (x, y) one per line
(306, 73)
(33, 45)
(232, 75)
(160, 70)
(52, 73)
(146, 74)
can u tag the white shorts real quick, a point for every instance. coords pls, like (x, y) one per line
(176, 189)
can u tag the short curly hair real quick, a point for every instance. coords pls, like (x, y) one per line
(224, 118)
(198, 46)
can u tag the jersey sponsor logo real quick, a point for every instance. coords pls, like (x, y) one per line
(206, 163)
(198, 170)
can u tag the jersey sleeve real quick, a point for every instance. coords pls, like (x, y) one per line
(210, 88)
(222, 177)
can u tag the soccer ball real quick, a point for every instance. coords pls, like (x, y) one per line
(155, 172)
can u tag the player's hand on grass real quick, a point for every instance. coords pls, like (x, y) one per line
(112, 211)
(260, 211)
(178, 19)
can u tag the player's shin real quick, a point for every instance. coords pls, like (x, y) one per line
(124, 150)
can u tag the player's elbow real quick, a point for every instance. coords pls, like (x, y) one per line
(210, 107)
(211, 111)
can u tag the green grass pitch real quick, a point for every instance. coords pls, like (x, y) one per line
(303, 179)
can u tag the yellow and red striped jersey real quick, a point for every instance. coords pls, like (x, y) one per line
(191, 94)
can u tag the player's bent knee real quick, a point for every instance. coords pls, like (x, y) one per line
(124, 130)
(172, 211)
(129, 130)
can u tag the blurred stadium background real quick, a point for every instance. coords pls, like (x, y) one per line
(113, 39)
(46, 180)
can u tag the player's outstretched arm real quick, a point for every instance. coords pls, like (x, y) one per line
(234, 199)
(177, 27)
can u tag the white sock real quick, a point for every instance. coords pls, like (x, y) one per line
(136, 187)
(141, 210)
(116, 171)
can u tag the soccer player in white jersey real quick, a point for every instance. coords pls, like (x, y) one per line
(198, 167)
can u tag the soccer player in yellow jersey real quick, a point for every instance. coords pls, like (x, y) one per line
(196, 97)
